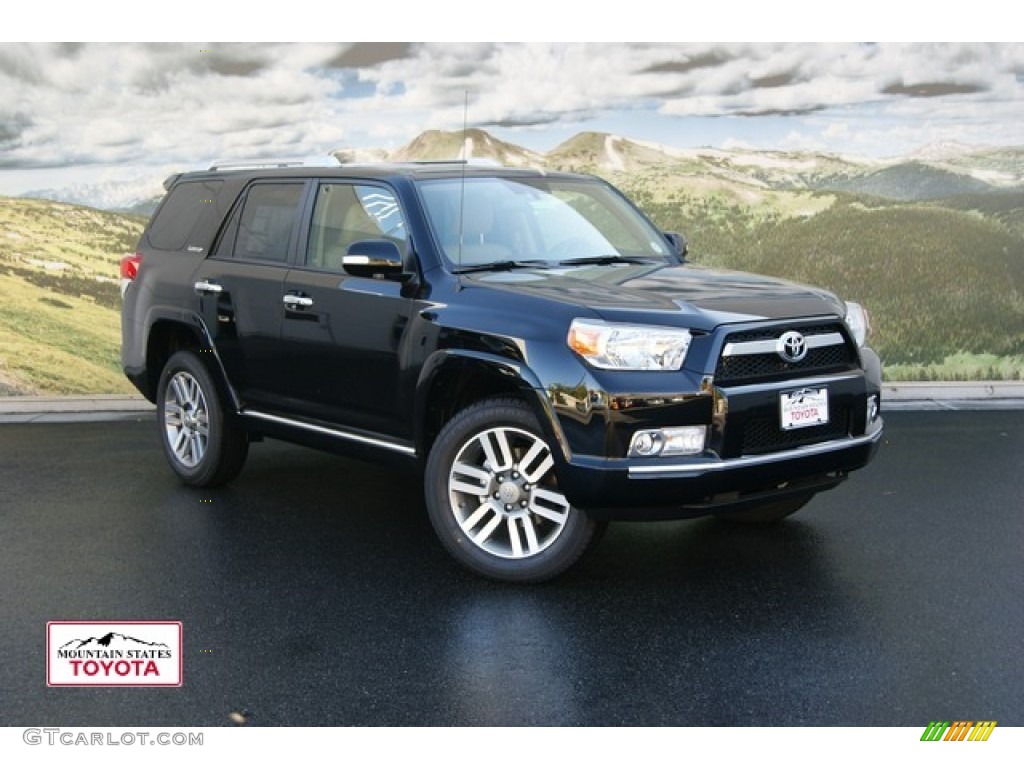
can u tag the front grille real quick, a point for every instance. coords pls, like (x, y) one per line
(766, 436)
(737, 369)
(763, 334)
(743, 367)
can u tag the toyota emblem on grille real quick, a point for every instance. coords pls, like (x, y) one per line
(792, 347)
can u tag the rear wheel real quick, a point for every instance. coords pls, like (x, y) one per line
(493, 497)
(203, 445)
(769, 512)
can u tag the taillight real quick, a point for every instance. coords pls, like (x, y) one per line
(129, 269)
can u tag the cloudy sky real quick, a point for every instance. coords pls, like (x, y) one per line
(84, 113)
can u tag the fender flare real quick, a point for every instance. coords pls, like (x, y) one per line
(195, 324)
(513, 374)
(221, 371)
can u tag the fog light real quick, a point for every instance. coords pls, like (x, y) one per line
(873, 409)
(646, 443)
(670, 441)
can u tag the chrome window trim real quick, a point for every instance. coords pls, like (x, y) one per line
(408, 450)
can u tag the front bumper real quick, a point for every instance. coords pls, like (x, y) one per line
(628, 489)
(748, 457)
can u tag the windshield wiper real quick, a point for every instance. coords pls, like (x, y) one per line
(497, 266)
(608, 259)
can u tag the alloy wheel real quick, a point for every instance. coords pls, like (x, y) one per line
(186, 419)
(503, 493)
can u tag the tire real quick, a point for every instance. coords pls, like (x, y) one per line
(769, 512)
(493, 497)
(202, 443)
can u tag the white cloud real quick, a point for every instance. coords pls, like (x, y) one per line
(160, 104)
(836, 130)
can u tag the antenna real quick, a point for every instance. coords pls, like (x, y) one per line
(462, 188)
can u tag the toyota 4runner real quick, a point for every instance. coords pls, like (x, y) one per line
(528, 341)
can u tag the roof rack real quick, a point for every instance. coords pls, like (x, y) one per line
(313, 161)
(487, 162)
(456, 161)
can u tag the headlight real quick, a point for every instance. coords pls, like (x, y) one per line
(858, 322)
(625, 347)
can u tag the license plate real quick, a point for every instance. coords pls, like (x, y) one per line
(804, 408)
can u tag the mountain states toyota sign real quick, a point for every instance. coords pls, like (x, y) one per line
(116, 653)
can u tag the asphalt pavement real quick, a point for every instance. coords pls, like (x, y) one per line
(312, 592)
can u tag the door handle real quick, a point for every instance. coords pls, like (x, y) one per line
(204, 286)
(294, 302)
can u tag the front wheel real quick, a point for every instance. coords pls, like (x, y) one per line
(204, 447)
(493, 497)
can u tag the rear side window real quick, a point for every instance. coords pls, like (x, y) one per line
(263, 226)
(189, 208)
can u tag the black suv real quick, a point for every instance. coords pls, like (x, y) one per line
(542, 354)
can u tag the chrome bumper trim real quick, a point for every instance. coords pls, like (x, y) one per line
(698, 467)
(800, 383)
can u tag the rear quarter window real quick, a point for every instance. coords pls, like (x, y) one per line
(187, 217)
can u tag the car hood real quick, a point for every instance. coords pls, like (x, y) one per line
(701, 296)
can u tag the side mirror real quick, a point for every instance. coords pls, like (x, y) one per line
(678, 241)
(373, 258)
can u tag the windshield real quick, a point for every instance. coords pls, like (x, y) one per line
(536, 222)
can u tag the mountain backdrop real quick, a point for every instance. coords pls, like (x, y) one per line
(932, 244)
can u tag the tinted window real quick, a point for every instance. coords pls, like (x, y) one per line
(347, 213)
(185, 210)
(267, 221)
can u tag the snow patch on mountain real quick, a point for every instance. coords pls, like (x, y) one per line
(940, 151)
(665, 149)
(613, 158)
(360, 155)
(995, 178)
(776, 161)
(108, 195)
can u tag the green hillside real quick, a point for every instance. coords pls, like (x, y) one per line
(1005, 207)
(910, 181)
(60, 324)
(940, 281)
